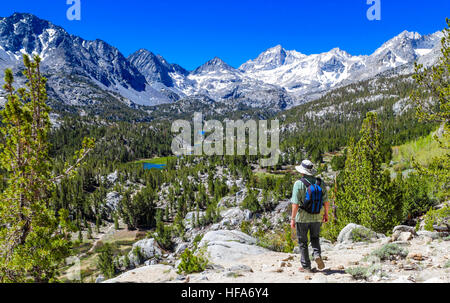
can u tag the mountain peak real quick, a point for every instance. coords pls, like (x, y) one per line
(339, 52)
(27, 18)
(18, 15)
(277, 52)
(271, 58)
(216, 61)
(142, 53)
(408, 35)
(214, 64)
(276, 48)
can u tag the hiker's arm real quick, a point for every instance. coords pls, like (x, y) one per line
(325, 214)
(294, 213)
(295, 202)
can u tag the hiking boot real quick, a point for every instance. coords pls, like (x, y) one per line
(320, 263)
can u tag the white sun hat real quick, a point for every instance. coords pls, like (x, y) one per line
(306, 168)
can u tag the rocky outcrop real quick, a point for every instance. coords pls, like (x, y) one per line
(403, 233)
(233, 217)
(148, 248)
(229, 245)
(234, 200)
(111, 204)
(158, 273)
(181, 248)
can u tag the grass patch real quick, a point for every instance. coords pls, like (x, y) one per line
(89, 267)
(81, 248)
(159, 160)
(423, 150)
(263, 175)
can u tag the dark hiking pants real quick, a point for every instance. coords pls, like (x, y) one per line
(302, 235)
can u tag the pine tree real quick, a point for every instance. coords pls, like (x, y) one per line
(97, 224)
(80, 236)
(89, 231)
(33, 238)
(106, 261)
(116, 221)
(365, 193)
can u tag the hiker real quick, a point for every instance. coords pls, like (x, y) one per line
(309, 195)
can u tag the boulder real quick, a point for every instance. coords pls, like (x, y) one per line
(215, 226)
(248, 214)
(283, 206)
(346, 234)
(158, 273)
(148, 249)
(325, 245)
(112, 201)
(112, 178)
(415, 256)
(181, 248)
(430, 234)
(232, 217)
(404, 228)
(240, 268)
(227, 236)
(404, 236)
(229, 245)
(150, 262)
(100, 279)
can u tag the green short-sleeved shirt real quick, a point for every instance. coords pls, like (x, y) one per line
(298, 195)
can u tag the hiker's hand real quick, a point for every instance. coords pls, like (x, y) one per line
(293, 224)
(325, 218)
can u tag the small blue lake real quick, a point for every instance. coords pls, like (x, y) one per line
(154, 166)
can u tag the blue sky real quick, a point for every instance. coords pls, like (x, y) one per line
(192, 32)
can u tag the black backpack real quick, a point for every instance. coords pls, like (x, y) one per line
(313, 201)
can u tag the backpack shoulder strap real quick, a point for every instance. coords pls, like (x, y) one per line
(319, 181)
(305, 182)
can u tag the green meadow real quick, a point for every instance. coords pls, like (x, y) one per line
(422, 150)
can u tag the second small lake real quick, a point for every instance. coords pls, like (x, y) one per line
(154, 166)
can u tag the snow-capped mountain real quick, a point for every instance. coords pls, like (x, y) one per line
(404, 49)
(160, 74)
(222, 82)
(302, 75)
(83, 72)
(80, 71)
